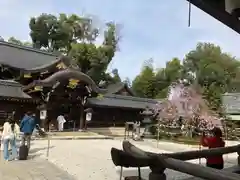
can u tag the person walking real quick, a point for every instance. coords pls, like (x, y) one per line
(27, 126)
(214, 142)
(61, 120)
(10, 131)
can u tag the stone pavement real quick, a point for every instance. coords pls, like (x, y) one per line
(33, 169)
(83, 159)
(91, 159)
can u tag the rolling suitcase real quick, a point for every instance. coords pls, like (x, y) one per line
(23, 152)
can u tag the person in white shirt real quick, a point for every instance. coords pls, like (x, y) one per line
(61, 120)
(10, 131)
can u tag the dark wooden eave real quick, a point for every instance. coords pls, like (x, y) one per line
(219, 14)
(12, 91)
(120, 101)
(28, 59)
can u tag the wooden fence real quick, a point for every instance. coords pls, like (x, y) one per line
(131, 156)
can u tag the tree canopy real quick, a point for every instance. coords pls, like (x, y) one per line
(13, 40)
(144, 84)
(76, 37)
(211, 72)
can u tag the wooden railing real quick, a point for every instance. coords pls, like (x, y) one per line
(131, 156)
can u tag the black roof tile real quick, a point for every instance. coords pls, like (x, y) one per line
(26, 58)
(12, 89)
(114, 88)
(122, 101)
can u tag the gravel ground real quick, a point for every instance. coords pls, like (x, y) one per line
(91, 159)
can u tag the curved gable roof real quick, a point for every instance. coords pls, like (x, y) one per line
(26, 58)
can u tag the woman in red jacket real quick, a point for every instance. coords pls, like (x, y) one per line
(214, 142)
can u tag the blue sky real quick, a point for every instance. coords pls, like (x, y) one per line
(150, 29)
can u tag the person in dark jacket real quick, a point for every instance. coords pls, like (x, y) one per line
(27, 126)
(214, 142)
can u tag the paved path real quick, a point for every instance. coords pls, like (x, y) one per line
(91, 159)
(83, 159)
(33, 169)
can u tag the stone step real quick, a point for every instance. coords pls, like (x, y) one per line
(108, 131)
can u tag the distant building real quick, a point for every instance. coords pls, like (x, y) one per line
(231, 104)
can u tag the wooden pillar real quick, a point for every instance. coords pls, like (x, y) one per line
(82, 118)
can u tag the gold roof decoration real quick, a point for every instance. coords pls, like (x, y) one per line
(100, 96)
(38, 88)
(27, 75)
(73, 83)
(61, 65)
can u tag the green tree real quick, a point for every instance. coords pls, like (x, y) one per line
(57, 33)
(76, 36)
(144, 84)
(127, 81)
(166, 76)
(116, 77)
(211, 70)
(13, 40)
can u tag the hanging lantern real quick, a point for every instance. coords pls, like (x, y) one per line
(27, 75)
(61, 66)
(38, 88)
(73, 83)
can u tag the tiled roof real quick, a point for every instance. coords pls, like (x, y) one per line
(12, 89)
(114, 88)
(122, 102)
(26, 58)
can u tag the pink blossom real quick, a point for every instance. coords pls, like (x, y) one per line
(186, 102)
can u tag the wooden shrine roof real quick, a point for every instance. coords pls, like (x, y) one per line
(120, 101)
(12, 90)
(27, 58)
(216, 9)
(115, 88)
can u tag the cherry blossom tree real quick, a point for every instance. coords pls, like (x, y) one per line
(186, 102)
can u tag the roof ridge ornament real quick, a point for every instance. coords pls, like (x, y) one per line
(66, 75)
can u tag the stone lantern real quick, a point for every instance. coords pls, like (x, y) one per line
(147, 120)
